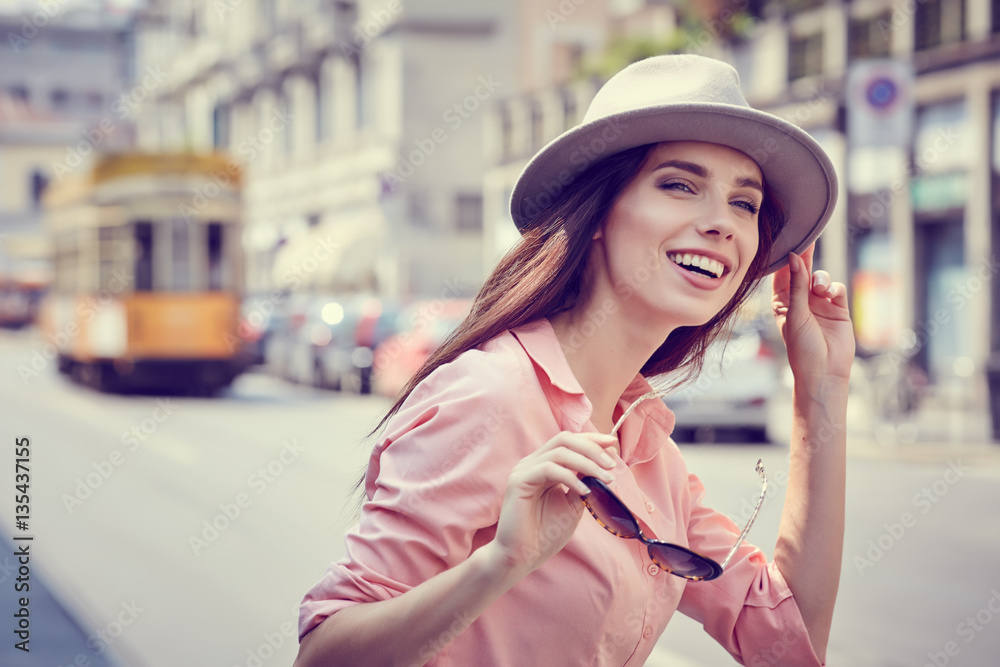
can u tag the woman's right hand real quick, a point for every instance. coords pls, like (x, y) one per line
(542, 505)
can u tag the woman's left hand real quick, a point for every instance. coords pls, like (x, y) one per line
(813, 319)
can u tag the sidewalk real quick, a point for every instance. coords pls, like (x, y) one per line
(56, 639)
(934, 432)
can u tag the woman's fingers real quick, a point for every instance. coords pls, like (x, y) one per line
(545, 474)
(582, 442)
(838, 294)
(822, 287)
(564, 457)
(537, 503)
(821, 283)
(594, 446)
(579, 464)
(798, 297)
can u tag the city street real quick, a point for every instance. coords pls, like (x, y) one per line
(186, 530)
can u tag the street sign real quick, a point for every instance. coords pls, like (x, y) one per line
(880, 103)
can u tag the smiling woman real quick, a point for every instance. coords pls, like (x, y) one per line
(472, 540)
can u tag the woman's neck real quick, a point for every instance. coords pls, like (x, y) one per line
(605, 349)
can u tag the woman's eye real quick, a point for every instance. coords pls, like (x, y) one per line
(748, 205)
(676, 185)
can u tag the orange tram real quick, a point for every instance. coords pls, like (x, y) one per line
(148, 273)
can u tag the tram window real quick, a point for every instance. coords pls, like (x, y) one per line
(180, 264)
(64, 257)
(108, 256)
(216, 258)
(71, 262)
(143, 256)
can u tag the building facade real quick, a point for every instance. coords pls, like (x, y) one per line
(359, 126)
(905, 97)
(62, 76)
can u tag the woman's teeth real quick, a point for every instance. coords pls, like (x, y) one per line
(698, 264)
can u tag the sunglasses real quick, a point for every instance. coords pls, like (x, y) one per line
(610, 512)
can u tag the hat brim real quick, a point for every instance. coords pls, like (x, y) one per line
(795, 168)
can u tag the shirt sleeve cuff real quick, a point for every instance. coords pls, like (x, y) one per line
(770, 629)
(314, 612)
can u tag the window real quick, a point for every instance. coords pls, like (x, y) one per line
(801, 5)
(506, 133)
(805, 56)
(939, 249)
(417, 205)
(469, 212)
(38, 183)
(220, 127)
(194, 26)
(180, 255)
(218, 266)
(319, 102)
(938, 22)
(59, 98)
(537, 125)
(569, 109)
(287, 135)
(868, 39)
(268, 14)
(359, 92)
(942, 140)
(995, 136)
(143, 256)
(67, 249)
(109, 257)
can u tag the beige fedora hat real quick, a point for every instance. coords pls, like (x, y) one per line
(688, 98)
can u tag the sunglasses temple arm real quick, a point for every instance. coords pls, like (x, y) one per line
(656, 393)
(753, 517)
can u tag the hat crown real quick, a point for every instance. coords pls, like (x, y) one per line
(661, 81)
(688, 98)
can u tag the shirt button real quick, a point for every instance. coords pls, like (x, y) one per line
(647, 633)
(653, 569)
(650, 508)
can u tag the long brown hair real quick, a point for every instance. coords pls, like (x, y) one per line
(544, 275)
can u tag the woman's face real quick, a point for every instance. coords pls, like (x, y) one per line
(679, 240)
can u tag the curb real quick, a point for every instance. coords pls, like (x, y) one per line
(987, 453)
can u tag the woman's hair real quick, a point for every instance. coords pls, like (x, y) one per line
(544, 274)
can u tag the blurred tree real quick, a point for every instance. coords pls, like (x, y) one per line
(699, 23)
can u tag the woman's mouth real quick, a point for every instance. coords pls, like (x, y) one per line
(698, 264)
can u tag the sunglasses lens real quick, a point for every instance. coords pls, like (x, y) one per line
(610, 512)
(683, 562)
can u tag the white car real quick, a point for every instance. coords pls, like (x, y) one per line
(739, 379)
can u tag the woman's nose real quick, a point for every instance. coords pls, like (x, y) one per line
(717, 218)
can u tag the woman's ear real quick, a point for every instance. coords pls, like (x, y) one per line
(599, 234)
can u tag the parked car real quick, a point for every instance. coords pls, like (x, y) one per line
(322, 357)
(259, 320)
(346, 358)
(739, 379)
(422, 327)
(281, 345)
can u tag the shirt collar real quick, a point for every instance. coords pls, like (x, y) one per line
(539, 341)
(637, 445)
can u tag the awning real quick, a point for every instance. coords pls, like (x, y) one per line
(337, 255)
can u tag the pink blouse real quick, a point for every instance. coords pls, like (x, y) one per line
(435, 484)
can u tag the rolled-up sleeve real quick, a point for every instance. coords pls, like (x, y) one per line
(749, 610)
(435, 483)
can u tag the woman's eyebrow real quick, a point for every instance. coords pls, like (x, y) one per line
(749, 183)
(695, 169)
(702, 172)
